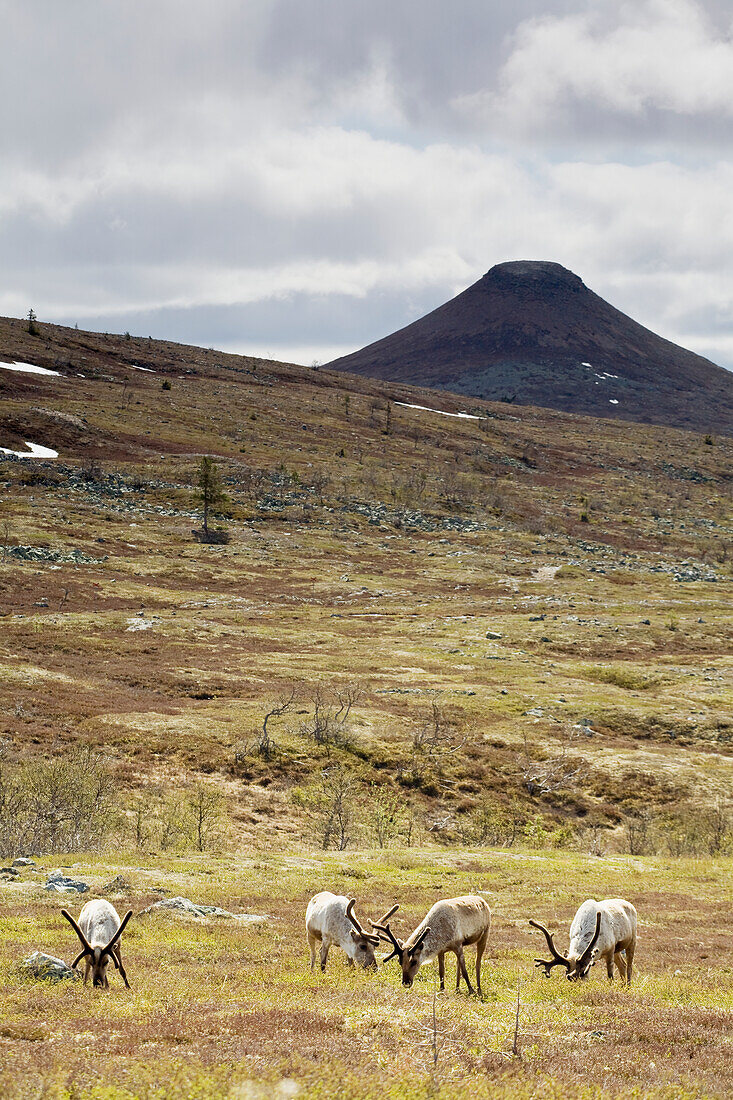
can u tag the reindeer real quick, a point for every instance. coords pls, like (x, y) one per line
(99, 930)
(330, 919)
(600, 929)
(450, 925)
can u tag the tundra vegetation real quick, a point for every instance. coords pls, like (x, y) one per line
(412, 673)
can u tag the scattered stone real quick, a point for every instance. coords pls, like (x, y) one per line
(23, 861)
(47, 968)
(59, 883)
(537, 618)
(646, 622)
(201, 912)
(139, 624)
(493, 634)
(45, 553)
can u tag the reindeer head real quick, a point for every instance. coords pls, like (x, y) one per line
(575, 968)
(364, 941)
(98, 956)
(410, 958)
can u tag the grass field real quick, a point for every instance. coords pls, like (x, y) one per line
(217, 1008)
(529, 618)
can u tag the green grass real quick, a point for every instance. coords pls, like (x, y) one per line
(215, 1006)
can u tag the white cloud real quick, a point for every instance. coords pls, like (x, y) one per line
(661, 55)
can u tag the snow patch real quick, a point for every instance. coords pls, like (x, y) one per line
(440, 412)
(612, 401)
(28, 368)
(148, 370)
(36, 451)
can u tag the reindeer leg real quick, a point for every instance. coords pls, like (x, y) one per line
(87, 970)
(609, 966)
(441, 970)
(325, 944)
(618, 958)
(116, 952)
(462, 970)
(480, 948)
(312, 945)
(629, 961)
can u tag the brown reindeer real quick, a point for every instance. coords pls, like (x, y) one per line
(450, 925)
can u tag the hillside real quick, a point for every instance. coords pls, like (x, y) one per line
(464, 646)
(498, 589)
(532, 333)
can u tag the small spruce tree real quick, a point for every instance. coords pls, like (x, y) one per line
(211, 489)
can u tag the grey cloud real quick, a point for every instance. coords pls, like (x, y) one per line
(295, 320)
(114, 113)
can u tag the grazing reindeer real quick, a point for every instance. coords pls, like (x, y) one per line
(99, 930)
(450, 925)
(600, 929)
(330, 919)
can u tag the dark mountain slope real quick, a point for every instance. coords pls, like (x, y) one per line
(533, 333)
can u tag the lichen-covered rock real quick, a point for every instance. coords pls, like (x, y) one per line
(200, 912)
(47, 968)
(59, 883)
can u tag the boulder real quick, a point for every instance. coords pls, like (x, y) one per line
(200, 912)
(59, 883)
(47, 968)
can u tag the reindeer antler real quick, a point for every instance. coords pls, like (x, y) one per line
(118, 933)
(387, 915)
(84, 941)
(362, 931)
(418, 942)
(557, 959)
(387, 936)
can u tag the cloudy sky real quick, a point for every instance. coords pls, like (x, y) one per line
(296, 178)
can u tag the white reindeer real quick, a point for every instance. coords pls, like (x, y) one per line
(450, 925)
(99, 930)
(600, 929)
(330, 919)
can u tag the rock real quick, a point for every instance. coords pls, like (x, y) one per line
(9, 871)
(58, 883)
(493, 634)
(47, 968)
(537, 618)
(118, 885)
(201, 912)
(23, 861)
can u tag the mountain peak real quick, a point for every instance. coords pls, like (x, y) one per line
(535, 273)
(531, 332)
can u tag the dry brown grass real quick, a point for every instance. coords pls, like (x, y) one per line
(213, 1004)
